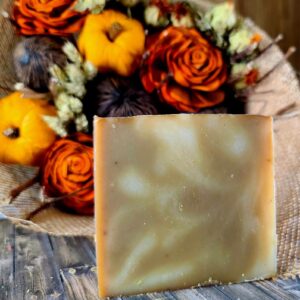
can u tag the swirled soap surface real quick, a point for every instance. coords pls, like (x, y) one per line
(183, 200)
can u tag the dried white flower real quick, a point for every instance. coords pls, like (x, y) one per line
(65, 116)
(56, 124)
(58, 74)
(221, 18)
(239, 69)
(61, 99)
(182, 21)
(90, 70)
(68, 88)
(241, 40)
(153, 16)
(65, 102)
(75, 105)
(94, 6)
(75, 89)
(72, 53)
(75, 73)
(240, 72)
(81, 123)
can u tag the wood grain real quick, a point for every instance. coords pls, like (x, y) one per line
(70, 252)
(80, 283)
(36, 275)
(7, 239)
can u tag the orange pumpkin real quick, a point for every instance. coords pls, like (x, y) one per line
(24, 136)
(112, 42)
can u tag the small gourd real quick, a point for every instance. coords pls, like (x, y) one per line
(112, 42)
(24, 136)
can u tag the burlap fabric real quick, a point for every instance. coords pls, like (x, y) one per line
(276, 92)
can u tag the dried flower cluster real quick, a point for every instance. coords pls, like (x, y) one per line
(161, 13)
(68, 88)
(94, 6)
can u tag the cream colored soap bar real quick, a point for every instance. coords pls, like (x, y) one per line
(183, 200)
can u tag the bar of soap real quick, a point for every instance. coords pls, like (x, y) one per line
(183, 200)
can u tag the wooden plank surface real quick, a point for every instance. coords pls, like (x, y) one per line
(36, 276)
(36, 266)
(7, 238)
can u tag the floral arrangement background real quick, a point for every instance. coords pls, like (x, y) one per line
(115, 58)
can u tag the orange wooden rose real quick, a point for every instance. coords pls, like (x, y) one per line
(68, 170)
(47, 17)
(185, 68)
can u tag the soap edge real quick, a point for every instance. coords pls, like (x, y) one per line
(96, 118)
(274, 194)
(99, 209)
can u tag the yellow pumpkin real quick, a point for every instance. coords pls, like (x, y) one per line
(24, 136)
(112, 42)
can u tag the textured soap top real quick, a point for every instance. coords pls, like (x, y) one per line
(183, 200)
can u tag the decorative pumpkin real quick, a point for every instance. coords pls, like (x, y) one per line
(47, 17)
(24, 136)
(112, 42)
(67, 171)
